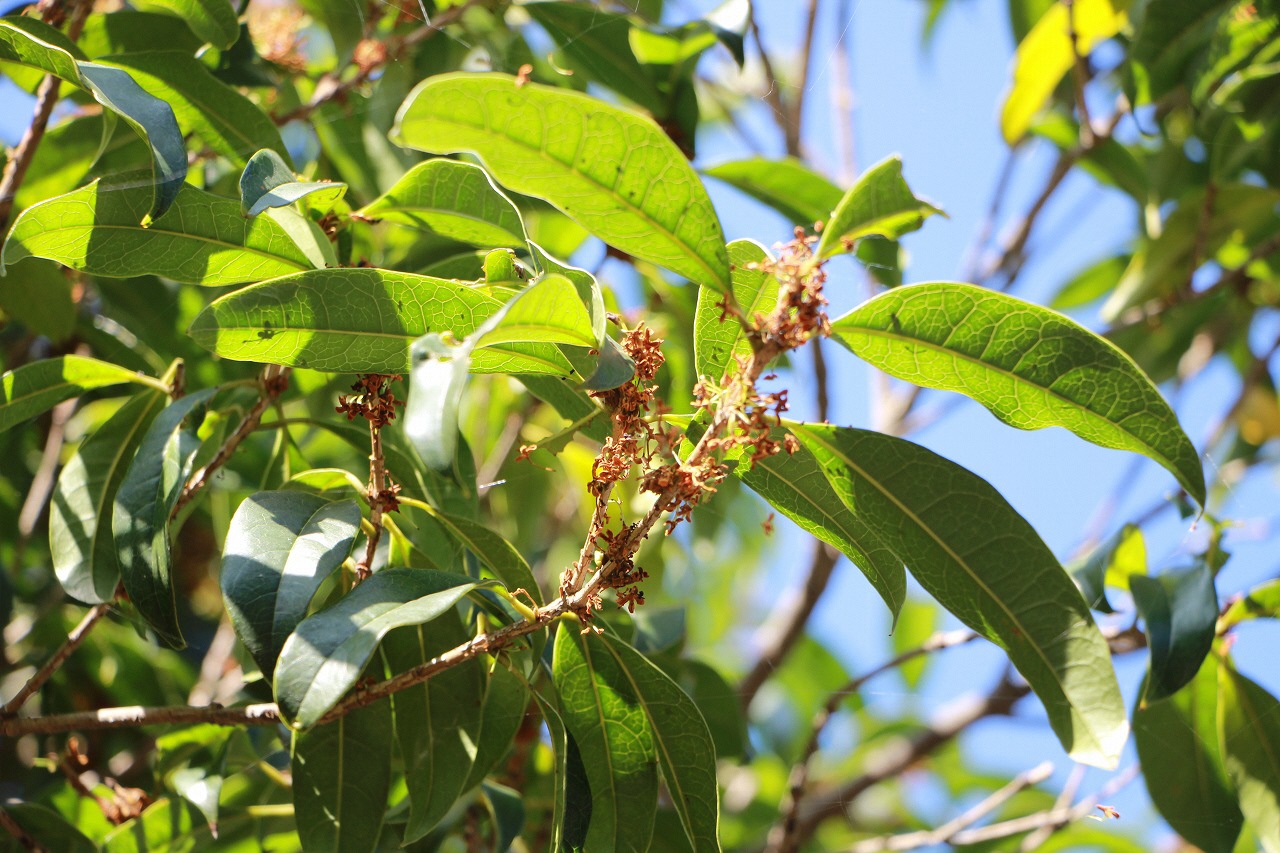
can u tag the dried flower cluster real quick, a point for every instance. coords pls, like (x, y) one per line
(373, 400)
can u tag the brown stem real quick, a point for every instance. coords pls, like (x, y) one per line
(11, 826)
(1081, 77)
(377, 493)
(795, 119)
(783, 836)
(274, 381)
(46, 98)
(74, 639)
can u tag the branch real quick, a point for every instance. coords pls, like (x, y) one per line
(274, 381)
(795, 119)
(783, 838)
(74, 639)
(15, 829)
(949, 830)
(46, 98)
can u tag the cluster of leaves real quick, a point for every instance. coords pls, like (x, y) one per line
(429, 693)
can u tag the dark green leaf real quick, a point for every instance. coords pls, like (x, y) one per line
(1261, 601)
(279, 548)
(38, 295)
(787, 185)
(81, 546)
(684, 746)
(1249, 725)
(436, 721)
(1031, 367)
(47, 827)
(455, 200)
(506, 810)
(1170, 35)
(613, 369)
(719, 705)
(615, 173)
(224, 119)
(490, 548)
(324, 656)
(982, 561)
(880, 203)
(267, 181)
(127, 31)
(341, 777)
(1177, 742)
(1181, 610)
(597, 43)
(607, 720)
(357, 321)
(35, 388)
(718, 338)
(202, 240)
(505, 700)
(212, 20)
(140, 515)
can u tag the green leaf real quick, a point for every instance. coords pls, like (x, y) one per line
(915, 625)
(794, 484)
(685, 750)
(597, 44)
(786, 184)
(343, 19)
(224, 119)
(357, 321)
(458, 201)
(37, 294)
(47, 827)
(565, 817)
(140, 515)
(1181, 611)
(267, 181)
(505, 700)
(164, 825)
(1177, 742)
(613, 369)
(718, 338)
(1109, 161)
(615, 173)
(436, 721)
(548, 311)
(1261, 601)
(81, 546)
(1031, 367)
(982, 561)
(341, 778)
(880, 204)
(35, 388)
(719, 705)
(1169, 37)
(1121, 556)
(202, 240)
(506, 812)
(1092, 282)
(324, 656)
(280, 547)
(212, 20)
(1249, 725)
(35, 44)
(1048, 52)
(490, 548)
(126, 31)
(607, 720)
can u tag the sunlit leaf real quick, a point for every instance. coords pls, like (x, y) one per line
(1111, 564)
(267, 182)
(879, 204)
(35, 388)
(548, 311)
(81, 546)
(1031, 367)
(279, 548)
(164, 825)
(615, 173)
(718, 338)
(455, 200)
(1249, 725)
(1263, 601)
(212, 20)
(982, 561)
(786, 184)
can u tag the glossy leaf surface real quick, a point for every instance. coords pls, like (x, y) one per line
(324, 656)
(1031, 367)
(614, 172)
(267, 182)
(202, 240)
(1180, 609)
(455, 200)
(982, 561)
(80, 539)
(140, 514)
(35, 388)
(279, 548)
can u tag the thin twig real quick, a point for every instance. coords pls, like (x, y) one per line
(74, 639)
(377, 494)
(783, 836)
(1068, 793)
(274, 381)
(1080, 65)
(13, 828)
(46, 99)
(795, 118)
(949, 830)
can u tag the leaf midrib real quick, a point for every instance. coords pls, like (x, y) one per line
(177, 234)
(1017, 623)
(842, 326)
(622, 201)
